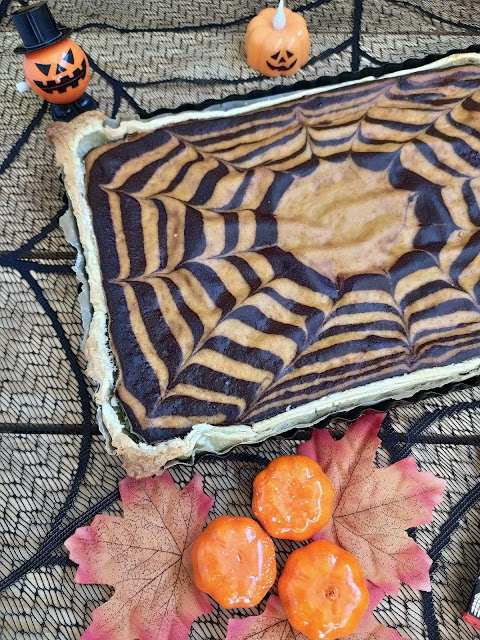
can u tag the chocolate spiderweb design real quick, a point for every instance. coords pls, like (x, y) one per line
(296, 251)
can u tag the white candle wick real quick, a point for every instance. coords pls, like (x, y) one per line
(279, 19)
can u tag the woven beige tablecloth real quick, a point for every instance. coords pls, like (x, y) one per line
(54, 472)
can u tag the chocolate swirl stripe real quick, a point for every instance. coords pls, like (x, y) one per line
(256, 262)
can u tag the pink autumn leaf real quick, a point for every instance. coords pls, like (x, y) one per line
(273, 625)
(145, 557)
(374, 507)
(369, 628)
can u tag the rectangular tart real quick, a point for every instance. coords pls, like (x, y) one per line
(257, 269)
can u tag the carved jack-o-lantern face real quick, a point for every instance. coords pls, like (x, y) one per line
(58, 73)
(274, 51)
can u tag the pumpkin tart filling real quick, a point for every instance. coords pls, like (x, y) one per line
(261, 261)
(263, 267)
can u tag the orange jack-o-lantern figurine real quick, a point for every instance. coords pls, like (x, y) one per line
(55, 67)
(277, 42)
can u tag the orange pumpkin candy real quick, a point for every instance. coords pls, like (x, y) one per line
(277, 51)
(59, 73)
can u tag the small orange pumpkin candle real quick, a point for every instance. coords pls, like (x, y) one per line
(277, 42)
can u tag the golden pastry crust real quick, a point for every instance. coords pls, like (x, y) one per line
(73, 141)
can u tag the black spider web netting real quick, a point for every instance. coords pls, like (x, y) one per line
(54, 472)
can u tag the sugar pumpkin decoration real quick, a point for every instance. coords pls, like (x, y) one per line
(233, 561)
(277, 42)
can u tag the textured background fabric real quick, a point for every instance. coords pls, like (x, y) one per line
(54, 472)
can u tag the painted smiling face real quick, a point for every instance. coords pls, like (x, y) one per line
(277, 51)
(58, 73)
(282, 61)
